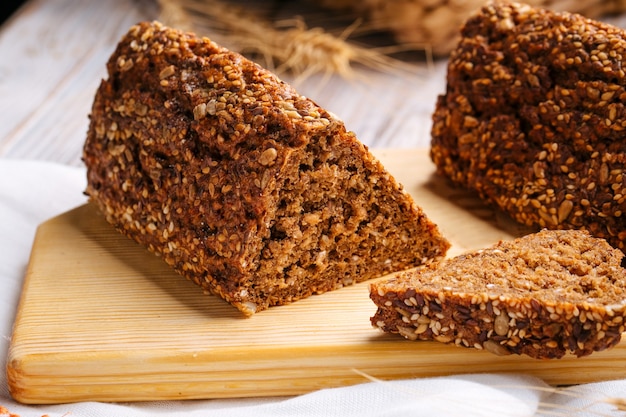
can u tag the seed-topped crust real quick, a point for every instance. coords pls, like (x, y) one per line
(533, 118)
(245, 187)
(542, 295)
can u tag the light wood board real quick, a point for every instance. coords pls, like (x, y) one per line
(102, 319)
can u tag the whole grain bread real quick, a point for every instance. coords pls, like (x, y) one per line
(543, 295)
(533, 118)
(242, 185)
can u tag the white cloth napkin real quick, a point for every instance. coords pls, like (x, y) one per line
(32, 192)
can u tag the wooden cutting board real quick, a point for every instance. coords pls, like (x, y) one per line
(102, 319)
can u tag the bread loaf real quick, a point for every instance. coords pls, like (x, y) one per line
(533, 118)
(242, 185)
(543, 295)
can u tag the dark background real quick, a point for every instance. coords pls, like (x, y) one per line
(8, 7)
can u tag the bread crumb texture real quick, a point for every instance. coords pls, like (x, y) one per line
(533, 118)
(542, 295)
(243, 186)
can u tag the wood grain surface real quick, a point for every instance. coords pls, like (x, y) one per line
(102, 319)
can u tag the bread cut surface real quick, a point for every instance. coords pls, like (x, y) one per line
(544, 295)
(242, 185)
(533, 118)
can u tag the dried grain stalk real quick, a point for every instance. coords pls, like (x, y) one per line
(287, 45)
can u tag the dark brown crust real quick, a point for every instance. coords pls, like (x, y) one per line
(533, 118)
(245, 187)
(542, 295)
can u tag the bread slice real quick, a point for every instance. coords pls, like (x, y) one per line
(242, 185)
(542, 295)
(533, 118)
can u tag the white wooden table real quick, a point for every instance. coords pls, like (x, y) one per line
(53, 55)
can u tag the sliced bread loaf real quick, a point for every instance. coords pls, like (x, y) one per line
(242, 185)
(542, 295)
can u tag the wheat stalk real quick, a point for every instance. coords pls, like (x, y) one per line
(285, 46)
